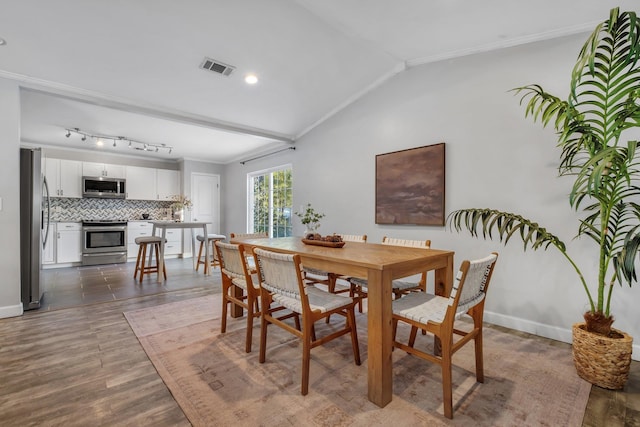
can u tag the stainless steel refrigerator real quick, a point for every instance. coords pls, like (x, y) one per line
(34, 226)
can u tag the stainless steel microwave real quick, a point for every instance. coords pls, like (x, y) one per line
(103, 187)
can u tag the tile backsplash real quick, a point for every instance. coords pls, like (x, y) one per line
(71, 209)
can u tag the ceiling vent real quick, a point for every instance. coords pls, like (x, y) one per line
(217, 66)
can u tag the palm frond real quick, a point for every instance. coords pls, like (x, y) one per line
(505, 224)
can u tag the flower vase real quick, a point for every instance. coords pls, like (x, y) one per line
(311, 228)
(178, 215)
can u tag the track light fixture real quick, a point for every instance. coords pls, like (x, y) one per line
(101, 139)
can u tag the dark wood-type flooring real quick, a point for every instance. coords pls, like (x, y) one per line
(76, 362)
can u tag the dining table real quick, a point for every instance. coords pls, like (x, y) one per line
(380, 265)
(164, 225)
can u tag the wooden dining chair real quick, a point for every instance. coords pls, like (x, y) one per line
(250, 260)
(437, 315)
(236, 275)
(280, 277)
(399, 286)
(313, 276)
(249, 235)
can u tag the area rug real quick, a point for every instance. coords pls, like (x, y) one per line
(529, 381)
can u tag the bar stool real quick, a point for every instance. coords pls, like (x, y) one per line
(143, 242)
(211, 239)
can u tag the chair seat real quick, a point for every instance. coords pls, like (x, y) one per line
(421, 307)
(400, 285)
(315, 275)
(200, 237)
(242, 283)
(149, 239)
(319, 300)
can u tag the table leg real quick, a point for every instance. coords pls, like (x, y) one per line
(207, 255)
(151, 253)
(193, 248)
(380, 344)
(161, 256)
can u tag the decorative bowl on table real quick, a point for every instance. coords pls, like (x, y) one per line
(333, 241)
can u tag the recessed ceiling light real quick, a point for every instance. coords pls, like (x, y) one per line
(251, 79)
(2, 41)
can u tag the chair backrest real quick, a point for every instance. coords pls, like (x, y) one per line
(249, 235)
(361, 238)
(281, 273)
(232, 259)
(471, 284)
(426, 244)
(404, 242)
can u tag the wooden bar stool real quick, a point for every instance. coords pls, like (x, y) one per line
(143, 242)
(211, 239)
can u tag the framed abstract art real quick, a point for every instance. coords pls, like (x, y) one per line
(410, 186)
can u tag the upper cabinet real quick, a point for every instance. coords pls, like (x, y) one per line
(64, 177)
(103, 169)
(152, 184)
(168, 183)
(141, 183)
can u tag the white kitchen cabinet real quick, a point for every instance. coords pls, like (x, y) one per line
(167, 183)
(69, 242)
(49, 251)
(173, 246)
(103, 169)
(136, 229)
(141, 183)
(64, 177)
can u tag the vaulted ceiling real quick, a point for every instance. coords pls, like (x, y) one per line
(132, 68)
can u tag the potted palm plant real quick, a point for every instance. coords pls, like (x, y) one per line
(591, 124)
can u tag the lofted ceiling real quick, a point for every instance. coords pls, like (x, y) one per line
(131, 68)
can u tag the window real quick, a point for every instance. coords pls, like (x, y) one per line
(270, 201)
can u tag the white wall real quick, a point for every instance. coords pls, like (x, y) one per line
(10, 304)
(494, 158)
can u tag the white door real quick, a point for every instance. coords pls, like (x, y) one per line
(205, 195)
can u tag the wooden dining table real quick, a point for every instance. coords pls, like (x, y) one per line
(379, 264)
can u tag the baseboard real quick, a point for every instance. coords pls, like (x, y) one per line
(11, 311)
(540, 329)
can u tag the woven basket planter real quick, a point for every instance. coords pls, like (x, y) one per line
(603, 361)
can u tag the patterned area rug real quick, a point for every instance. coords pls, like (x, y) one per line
(529, 381)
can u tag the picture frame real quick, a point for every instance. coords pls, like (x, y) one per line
(410, 186)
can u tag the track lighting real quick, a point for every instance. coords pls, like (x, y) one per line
(101, 139)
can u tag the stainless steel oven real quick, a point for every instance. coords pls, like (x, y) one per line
(104, 241)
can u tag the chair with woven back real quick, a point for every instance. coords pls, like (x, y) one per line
(236, 273)
(281, 282)
(399, 286)
(437, 315)
(314, 276)
(249, 235)
(250, 260)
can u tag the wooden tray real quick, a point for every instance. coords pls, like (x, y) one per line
(323, 243)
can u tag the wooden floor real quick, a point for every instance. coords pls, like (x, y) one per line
(83, 366)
